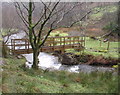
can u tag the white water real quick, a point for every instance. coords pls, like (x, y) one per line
(47, 61)
(50, 62)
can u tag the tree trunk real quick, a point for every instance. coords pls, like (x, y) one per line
(4, 50)
(35, 58)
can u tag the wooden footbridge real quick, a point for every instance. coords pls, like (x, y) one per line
(22, 46)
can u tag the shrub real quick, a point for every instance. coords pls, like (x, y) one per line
(111, 26)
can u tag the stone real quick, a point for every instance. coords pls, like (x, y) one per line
(69, 59)
(28, 65)
(94, 38)
(19, 56)
(57, 53)
(2, 62)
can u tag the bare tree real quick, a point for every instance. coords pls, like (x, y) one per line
(51, 14)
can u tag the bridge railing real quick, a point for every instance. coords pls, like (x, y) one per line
(66, 40)
(20, 46)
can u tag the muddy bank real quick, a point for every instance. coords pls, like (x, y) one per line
(72, 59)
(50, 63)
(100, 60)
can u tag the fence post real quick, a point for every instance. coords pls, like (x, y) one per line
(28, 45)
(13, 46)
(60, 41)
(73, 40)
(70, 41)
(84, 41)
(108, 45)
(63, 48)
(100, 42)
(53, 44)
(78, 39)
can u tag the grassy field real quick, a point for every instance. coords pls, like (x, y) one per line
(17, 79)
(93, 47)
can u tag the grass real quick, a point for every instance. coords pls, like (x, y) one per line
(8, 31)
(17, 79)
(97, 16)
(58, 33)
(93, 47)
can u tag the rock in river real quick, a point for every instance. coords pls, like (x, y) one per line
(69, 59)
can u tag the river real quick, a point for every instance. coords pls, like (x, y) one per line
(50, 62)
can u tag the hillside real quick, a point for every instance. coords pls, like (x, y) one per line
(96, 21)
(101, 16)
(17, 79)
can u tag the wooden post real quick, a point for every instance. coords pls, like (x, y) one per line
(79, 43)
(108, 45)
(53, 43)
(11, 45)
(73, 40)
(64, 41)
(14, 46)
(28, 46)
(60, 41)
(70, 40)
(84, 41)
(78, 39)
(63, 45)
(100, 43)
(48, 42)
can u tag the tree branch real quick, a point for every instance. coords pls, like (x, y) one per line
(81, 18)
(24, 6)
(23, 19)
(46, 37)
(40, 18)
(21, 13)
(64, 13)
(33, 7)
(42, 25)
(46, 5)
